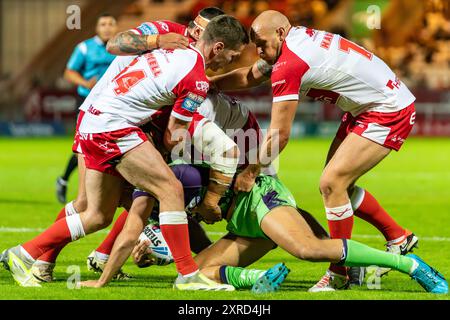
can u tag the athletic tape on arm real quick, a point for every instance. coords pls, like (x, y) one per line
(214, 143)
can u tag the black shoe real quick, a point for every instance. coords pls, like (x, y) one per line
(61, 190)
(356, 276)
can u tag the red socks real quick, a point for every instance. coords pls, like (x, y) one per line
(59, 234)
(174, 228)
(51, 255)
(340, 224)
(368, 209)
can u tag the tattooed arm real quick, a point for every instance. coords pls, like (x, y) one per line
(243, 78)
(129, 43)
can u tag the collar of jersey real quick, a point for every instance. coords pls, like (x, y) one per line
(191, 45)
(98, 40)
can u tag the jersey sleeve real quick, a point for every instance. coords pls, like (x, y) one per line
(190, 92)
(286, 76)
(160, 27)
(78, 58)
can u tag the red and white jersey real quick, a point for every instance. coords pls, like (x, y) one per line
(330, 68)
(130, 96)
(121, 62)
(161, 27)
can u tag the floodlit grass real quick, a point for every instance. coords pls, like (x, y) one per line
(413, 185)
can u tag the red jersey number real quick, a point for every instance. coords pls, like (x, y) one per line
(128, 80)
(346, 45)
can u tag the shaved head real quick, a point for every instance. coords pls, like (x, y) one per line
(270, 21)
(268, 32)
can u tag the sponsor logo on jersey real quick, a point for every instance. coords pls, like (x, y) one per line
(148, 28)
(310, 32)
(94, 111)
(277, 83)
(202, 85)
(163, 25)
(278, 65)
(192, 102)
(327, 96)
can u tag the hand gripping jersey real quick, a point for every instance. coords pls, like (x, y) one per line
(330, 68)
(128, 97)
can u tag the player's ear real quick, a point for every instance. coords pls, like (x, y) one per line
(281, 33)
(197, 33)
(218, 48)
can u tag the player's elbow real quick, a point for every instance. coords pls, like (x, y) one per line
(68, 74)
(111, 46)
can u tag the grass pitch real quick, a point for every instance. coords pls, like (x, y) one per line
(413, 185)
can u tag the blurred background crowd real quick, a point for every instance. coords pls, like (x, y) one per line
(411, 36)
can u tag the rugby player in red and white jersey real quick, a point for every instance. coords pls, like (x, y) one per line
(149, 35)
(379, 117)
(115, 149)
(218, 112)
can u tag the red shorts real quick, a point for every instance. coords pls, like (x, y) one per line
(387, 129)
(76, 148)
(102, 150)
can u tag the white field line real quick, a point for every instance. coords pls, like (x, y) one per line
(215, 233)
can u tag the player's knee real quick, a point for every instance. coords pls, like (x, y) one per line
(99, 222)
(173, 190)
(326, 186)
(80, 203)
(331, 183)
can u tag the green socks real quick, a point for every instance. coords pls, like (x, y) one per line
(240, 278)
(360, 255)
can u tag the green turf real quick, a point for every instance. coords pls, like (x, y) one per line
(413, 185)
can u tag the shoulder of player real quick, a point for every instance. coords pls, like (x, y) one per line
(189, 60)
(160, 27)
(84, 45)
(171, 25)
(186, 70)
(288, 62)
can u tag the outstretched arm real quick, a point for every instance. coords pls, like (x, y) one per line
(243, 78)
(276, 139)
(125, 242)
(131, 43)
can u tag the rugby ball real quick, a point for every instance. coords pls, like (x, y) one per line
(158, 245)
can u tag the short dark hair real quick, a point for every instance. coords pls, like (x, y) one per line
(105, 15)
(210, 12)
(207, 13)
(226, 29)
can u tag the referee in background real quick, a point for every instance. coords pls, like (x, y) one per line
(86, 66)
